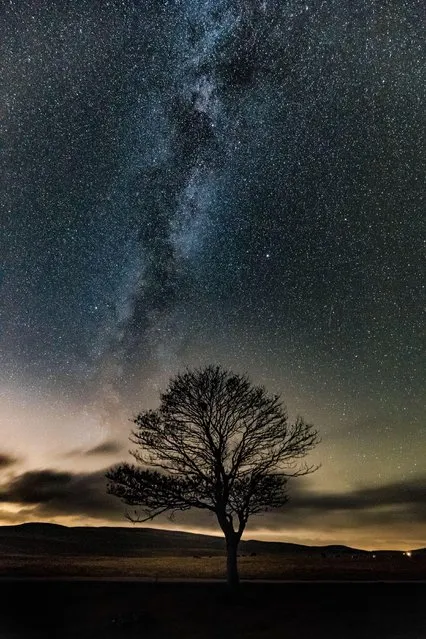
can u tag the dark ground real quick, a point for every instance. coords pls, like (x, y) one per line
(106, 610)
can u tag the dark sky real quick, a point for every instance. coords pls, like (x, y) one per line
(195, 181)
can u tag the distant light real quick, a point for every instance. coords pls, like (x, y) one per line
(408, 553)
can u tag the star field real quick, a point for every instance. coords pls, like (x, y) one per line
(242, 183)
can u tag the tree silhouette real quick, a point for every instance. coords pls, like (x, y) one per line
(217, 443)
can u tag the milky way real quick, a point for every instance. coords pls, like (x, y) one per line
(236, 182)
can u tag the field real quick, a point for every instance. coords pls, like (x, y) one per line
(72, 583)
(186, 565)
(113, 610)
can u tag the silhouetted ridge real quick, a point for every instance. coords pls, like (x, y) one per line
(36, 526)
(54, 539)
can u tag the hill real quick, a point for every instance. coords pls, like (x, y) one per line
(53, 539)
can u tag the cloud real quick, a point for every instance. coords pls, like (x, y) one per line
(405, 493)
(106, 448)
(109, 447)
(383, 511)
(59, 493)
(408, 494)
(34, 487)
(16, 516)
(397, 508)
(7, 460)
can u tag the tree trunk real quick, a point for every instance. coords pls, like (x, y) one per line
(231, 562)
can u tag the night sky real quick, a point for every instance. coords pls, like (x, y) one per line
(234, 182)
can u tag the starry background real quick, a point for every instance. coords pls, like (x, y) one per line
(188, 182)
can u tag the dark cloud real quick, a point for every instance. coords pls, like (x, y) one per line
(393, 506)
(7, 460)
(56, 493)
(62, 493)
(106, 448)
(408, 493)
(34, 487)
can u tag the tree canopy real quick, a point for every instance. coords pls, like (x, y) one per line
(216, 443)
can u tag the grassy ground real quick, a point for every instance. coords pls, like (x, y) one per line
(213, 567)
(99, 610)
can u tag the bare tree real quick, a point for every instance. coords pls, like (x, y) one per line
(217, 443)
